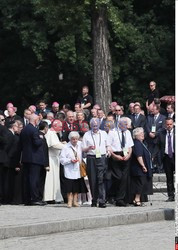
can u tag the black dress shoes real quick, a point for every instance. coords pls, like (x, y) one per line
(94, 204)
(38, 203)
(170, 199)
(102, 205)
(27, 204)
(120, 203)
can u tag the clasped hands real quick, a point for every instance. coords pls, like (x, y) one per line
(119, 157)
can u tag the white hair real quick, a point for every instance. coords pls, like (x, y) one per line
(50, 114)
(73, 134)
(127, 120)
(137, 131)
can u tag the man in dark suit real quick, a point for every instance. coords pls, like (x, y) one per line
(12, 116)
(170, 111)
(33, 160)
(42, 107)
(13, 152)
(154, 126)
(118, 114)
(138, 119)
(131, 110)
(43, 129)
(101, 118)
(166, 142)
(3, 157)
(26, 116)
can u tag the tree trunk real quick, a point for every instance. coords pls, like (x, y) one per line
(101, 59)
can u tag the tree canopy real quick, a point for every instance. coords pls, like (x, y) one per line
(39, 40)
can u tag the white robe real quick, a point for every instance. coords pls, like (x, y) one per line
(52, 189)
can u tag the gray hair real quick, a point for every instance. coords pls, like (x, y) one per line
(50, 114)
(73, 134)
(137, 131)
(126, 119)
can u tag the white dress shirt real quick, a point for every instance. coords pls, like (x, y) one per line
(99, 140)
(115, 138)
(166, 145)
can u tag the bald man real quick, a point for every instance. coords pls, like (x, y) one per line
(33, 160)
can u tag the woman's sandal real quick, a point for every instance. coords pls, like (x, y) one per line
(137, 203)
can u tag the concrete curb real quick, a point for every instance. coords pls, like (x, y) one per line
(86, 223)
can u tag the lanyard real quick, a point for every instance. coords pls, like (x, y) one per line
(75, 153)
(94, 139)
(149, 154)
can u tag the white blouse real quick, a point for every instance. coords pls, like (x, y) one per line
(71, 170)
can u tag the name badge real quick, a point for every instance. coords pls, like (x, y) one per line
(153, 129)
(125, 151)
(98, 154)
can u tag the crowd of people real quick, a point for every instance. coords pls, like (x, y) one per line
(42, 152)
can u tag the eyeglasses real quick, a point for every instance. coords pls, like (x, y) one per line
(118, 109)
(2, 120)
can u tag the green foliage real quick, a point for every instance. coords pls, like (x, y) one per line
(41, 39)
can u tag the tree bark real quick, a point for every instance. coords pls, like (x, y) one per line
(101, 59)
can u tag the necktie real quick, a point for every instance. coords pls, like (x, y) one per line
(70, 127)
(116, 121)
(155, 117)
(169, 145)
(123, 140)
(136, 117)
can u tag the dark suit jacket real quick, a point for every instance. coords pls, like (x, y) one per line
(32, 146)
(160, 122)
(173, 117)
(102, 124)
(45, 150)
(139, 122)
(162, 142)
(3, 144)
(12, 119)
(116, 122)
(13, 150)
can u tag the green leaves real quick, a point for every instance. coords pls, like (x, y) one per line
(65, 49)
(40, 39)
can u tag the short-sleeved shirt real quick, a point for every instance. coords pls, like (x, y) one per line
(99, 140)
(84, 100)
(153, 94)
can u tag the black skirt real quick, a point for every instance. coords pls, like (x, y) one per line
(75, 186)
(141, 185)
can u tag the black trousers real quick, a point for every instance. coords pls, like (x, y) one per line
(120, 171)
(8, 184)
(96, 169)
(32, 182)
(1, 183)
(169, 166)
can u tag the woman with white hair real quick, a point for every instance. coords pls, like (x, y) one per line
(141, 173)
(71, 156)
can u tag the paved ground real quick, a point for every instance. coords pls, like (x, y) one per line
(146, 236)
(17, 221)
(29, 221)
(23, 215)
